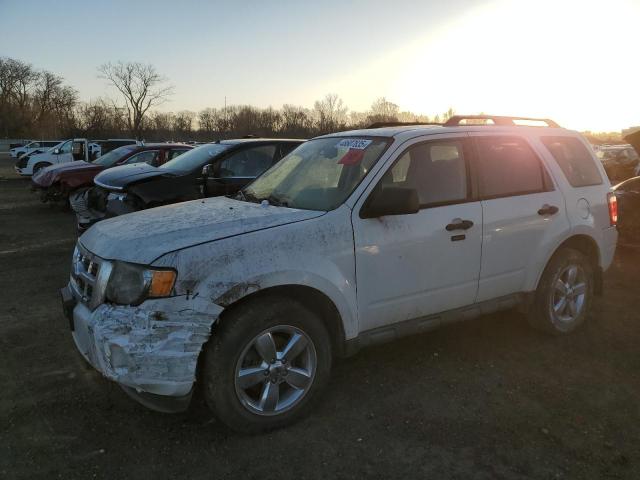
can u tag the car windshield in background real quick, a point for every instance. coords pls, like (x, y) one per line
(318, 175)
(196, 158)
(110, 159)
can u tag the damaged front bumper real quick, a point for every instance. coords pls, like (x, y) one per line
(151, 350)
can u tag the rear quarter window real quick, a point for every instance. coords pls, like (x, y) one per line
(574, 160)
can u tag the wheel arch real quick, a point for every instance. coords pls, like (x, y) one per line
(43, 164)
(586, 245)
(311, 298)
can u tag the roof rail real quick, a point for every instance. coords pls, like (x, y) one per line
(498, 120)
(399, 124)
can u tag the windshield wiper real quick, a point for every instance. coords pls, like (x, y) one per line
(246, 197)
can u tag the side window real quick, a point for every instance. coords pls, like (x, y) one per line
(66, 147)
(248, 163)
(34, 145)
(437, 170)
(507, 166)
(574, 160)
(148, 156)
(175, 153)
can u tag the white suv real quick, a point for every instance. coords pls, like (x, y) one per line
(353, 238)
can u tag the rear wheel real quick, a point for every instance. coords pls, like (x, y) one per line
(265, 364)
(564, 294)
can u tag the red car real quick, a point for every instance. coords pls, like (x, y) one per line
(56, 182)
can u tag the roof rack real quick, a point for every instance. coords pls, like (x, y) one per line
(399, 124)
(498, 120)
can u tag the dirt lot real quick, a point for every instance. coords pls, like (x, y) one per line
(484, 399)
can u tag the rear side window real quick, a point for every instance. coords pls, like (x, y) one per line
(574, 160)
(436, 170)
(509, 167)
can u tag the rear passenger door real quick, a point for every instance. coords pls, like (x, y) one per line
(523, 212)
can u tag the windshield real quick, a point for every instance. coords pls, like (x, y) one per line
(196, 158)
(111, 158)
(318, 175)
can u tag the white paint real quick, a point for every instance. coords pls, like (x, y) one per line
(375, 271)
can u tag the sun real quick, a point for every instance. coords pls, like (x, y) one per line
(568, 60)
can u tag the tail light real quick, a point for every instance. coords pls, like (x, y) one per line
(612, 202)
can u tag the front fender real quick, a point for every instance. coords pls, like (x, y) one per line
(315, 253)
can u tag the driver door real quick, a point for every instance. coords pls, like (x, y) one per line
(411, 266)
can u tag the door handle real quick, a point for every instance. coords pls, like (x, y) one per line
(548, 210)
(458, 224)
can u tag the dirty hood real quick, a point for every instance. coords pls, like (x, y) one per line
(118, 178)
(634, 140)
(142, 237)
(47, 176)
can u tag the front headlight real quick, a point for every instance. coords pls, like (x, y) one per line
(131, 284)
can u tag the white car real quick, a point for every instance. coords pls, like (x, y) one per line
(61, 153)
(352, 239)
(42, 145)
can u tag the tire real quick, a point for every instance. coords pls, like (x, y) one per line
(39, 166)
(264, 323)
(569, 275)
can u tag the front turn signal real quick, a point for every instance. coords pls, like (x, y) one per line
(162, 282)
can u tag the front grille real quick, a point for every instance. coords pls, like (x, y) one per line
(78, 203)
(89, 276)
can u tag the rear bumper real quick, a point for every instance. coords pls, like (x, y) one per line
(151, 350)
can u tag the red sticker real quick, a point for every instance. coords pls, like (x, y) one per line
(352, 157)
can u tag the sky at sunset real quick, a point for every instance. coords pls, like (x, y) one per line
(573, 61)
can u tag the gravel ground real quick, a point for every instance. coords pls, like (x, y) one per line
(489, 398)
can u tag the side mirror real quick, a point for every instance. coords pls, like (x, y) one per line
(56, 151)
(207, 170)
(391, 201)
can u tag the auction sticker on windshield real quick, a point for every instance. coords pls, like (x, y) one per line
(354, 143)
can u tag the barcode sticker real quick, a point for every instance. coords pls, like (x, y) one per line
(354, 143)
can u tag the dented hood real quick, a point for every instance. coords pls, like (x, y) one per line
(634, 140)
(118, 178)
(142, 237)
(49, 175)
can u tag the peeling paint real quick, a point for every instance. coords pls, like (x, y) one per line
(236, 292)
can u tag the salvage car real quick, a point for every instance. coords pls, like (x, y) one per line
(41, 145)
(620, 162)
(61, 153)
(209, 170)
(57, 182)
(628, 194)
(354, 238)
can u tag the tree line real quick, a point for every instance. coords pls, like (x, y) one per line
(39, 104)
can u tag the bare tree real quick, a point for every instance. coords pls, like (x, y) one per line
(183, 125)
(330, 113)
(383, 110)
(207, 120)
(141, 86)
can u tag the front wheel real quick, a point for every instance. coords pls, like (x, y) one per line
(564, 294)
(39, 166)
(265, 363)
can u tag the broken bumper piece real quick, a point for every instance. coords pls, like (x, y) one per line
(151, 352)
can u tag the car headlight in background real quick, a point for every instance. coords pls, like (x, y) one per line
(131, 284)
